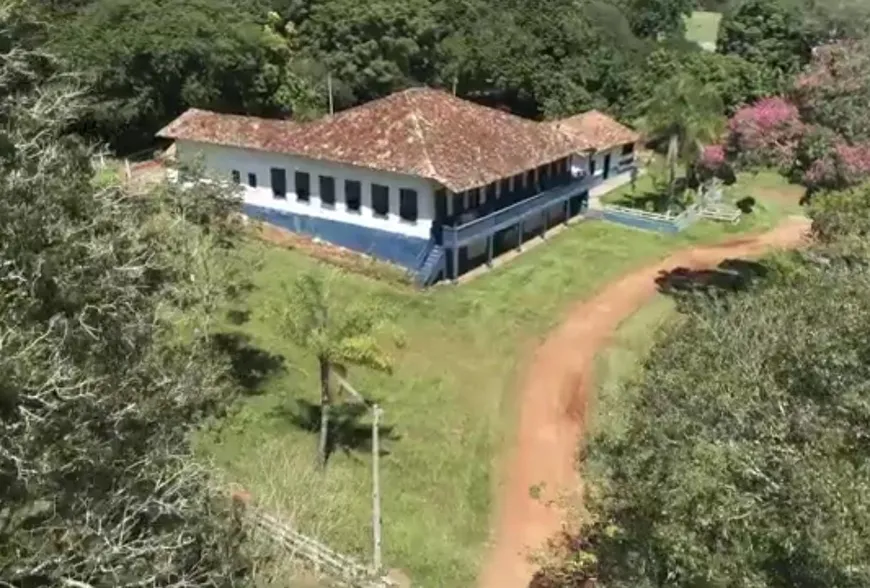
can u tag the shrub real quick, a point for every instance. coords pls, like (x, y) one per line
(839, 167)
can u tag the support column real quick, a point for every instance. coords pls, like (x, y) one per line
(455, 263)
(567, 210)
(489, 246)
(546, 224)
(520, 236)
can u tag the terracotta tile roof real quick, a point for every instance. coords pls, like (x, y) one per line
(421, 132)
(596, 129)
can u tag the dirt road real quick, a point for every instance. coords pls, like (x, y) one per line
(553, 402)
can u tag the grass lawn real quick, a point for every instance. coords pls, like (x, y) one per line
(773, 198)
(449, 405)
(703, 28)
(622, 361)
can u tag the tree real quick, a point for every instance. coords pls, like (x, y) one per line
(654, 19)
(834, 90)
(737, 81)
(767, 133)
(147, 61)
(768, 33)
(689, 115)
(336, 333)
(375, 48)
(105, 362)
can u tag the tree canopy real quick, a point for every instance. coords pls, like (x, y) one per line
(105, 362)
(145, 62)
(769, 33)
(743, 459)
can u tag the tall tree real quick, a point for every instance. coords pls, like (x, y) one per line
(105, 365)
(337, 333)
(768, 33)
(656, 19)
(373, 47)
(834, 90)
(146, 61)
(688, 114)
(736, 80)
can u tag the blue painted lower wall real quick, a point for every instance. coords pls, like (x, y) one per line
(398, 249)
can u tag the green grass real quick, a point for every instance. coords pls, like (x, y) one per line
(774, 199)
(450, 401)
(703, 28)
(622, 362)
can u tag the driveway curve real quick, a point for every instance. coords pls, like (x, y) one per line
(554, 396)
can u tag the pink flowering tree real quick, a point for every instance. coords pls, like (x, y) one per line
(840, 167)
(834, 90)
(766, 133)
(713, 163)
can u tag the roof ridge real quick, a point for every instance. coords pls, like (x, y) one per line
(415, 117)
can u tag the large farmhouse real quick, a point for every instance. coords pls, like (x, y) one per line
(422, 179)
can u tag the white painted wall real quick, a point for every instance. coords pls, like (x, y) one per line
(222, 160)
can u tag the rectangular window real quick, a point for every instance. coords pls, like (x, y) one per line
(408, 205)
(474, 198)
(380, 200)
(237, 177)
(628, 149)
(504, 187)
(352, 195)
(459, 202)
(252, 180)
(303, 186)
(327, 191)
(490, 192)
(279, 182)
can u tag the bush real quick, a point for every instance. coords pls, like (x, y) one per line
(842, 216)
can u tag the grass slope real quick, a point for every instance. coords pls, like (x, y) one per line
(622, 361)
(703, 28)
(449, 405)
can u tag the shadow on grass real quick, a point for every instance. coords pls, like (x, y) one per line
(732, 275)
(658, 201)
(250, 365)
(347, 432)
(238, 317)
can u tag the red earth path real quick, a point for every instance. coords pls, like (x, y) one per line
(553, 400)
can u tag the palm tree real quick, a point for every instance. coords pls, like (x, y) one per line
(687, 112)
(336, 333)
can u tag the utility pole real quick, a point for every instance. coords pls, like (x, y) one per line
(376, 486)
(377, 413)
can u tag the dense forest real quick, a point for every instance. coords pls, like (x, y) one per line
(144, 61)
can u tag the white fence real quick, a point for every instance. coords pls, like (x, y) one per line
(653, 221)
(720, 212)
(341, 569)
